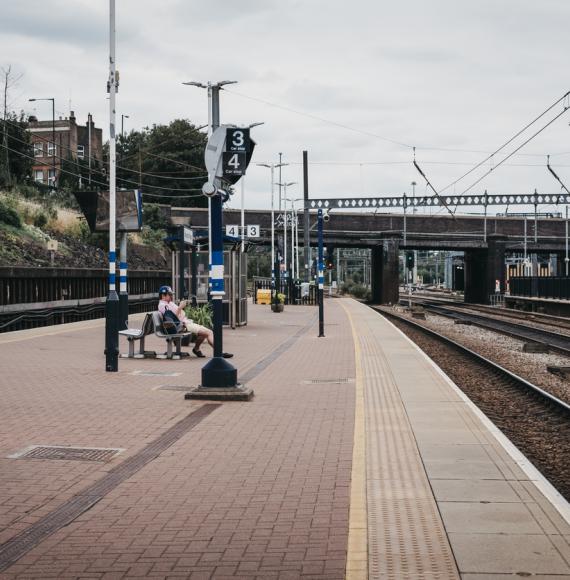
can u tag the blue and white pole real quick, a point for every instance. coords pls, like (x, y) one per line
(217, 373)
(112, 303)
(123, 292)
(321, 274)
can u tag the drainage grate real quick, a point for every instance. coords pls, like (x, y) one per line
(156, 373)
(67, 453)
(327, 381)
(173, 388)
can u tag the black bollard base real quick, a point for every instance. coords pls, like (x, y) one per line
(219, 383)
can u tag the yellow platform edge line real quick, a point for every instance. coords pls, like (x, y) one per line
(357, 555)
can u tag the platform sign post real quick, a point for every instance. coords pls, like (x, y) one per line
(321, 275)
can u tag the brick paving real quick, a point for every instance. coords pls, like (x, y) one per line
(256, 490)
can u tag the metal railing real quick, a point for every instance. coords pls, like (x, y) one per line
(556, 287)
(292, 291)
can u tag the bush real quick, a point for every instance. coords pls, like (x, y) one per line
(200, 315)
(359, 291)
(9, 215)
(40, 220)
(152, 237)
(153, 217)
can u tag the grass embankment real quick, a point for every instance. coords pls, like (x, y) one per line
(27, 225)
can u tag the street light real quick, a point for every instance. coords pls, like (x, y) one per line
(285, 186)
(243, 195)
(123, 117)
(213, 123)
(52, 131)
(272, 167)
(294, 237)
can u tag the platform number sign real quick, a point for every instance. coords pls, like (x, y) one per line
(237, 140)
(232, 231)
(234, 163)
(253, 231)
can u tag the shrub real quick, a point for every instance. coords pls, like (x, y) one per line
(40, 219)
(200, 315)
(152, 237)
(359, 291)
(9, 215)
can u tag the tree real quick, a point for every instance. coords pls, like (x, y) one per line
(14, 139)
(167, 161)
(16, 158)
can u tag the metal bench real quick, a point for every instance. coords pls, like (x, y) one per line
(160, 327)
(135, 334)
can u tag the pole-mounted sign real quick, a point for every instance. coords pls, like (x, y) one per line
(228, 153)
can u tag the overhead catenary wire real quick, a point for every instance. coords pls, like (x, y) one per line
(513, 152)
(508, 142)
(321, 119)
(555, 177)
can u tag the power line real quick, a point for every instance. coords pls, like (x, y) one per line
(76, 163)
(100, 182)
(517, 149)
(489, 157)
(123, 157)
(321, 119)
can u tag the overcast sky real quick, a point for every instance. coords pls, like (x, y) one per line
(455, 79)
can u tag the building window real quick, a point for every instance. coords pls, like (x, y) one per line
(51, 177)
(81, 151)
(51, 149)
(39, 175)
(38, 149)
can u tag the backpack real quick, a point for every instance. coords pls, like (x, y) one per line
(171, 323)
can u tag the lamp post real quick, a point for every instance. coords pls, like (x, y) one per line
(52, 131)
(217, 373)
(123, 117)
(294, 237)
(112, 303)
(285, 186)
(272, 167)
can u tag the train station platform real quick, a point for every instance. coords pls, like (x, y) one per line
(357, 458)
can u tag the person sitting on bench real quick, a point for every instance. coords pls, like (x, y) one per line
(166, 303)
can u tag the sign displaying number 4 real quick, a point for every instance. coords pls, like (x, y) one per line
(234, 163)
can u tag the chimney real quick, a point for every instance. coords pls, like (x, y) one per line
(72, 116)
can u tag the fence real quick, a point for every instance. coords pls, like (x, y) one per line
(33, 297)
(288, 287)
(50, 287)
(540, 287)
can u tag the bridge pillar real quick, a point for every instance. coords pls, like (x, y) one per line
(483, 268)
(385, 272)
(476, 277)
(496, 268)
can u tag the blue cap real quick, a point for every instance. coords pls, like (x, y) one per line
(164, 290)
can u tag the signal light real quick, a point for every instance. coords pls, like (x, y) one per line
(410, 260)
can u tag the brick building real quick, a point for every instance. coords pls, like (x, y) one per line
(72, 141)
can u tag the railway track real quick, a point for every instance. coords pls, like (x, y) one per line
(537, 422)
(554, 340)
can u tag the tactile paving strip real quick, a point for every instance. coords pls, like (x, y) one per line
(406, 537)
